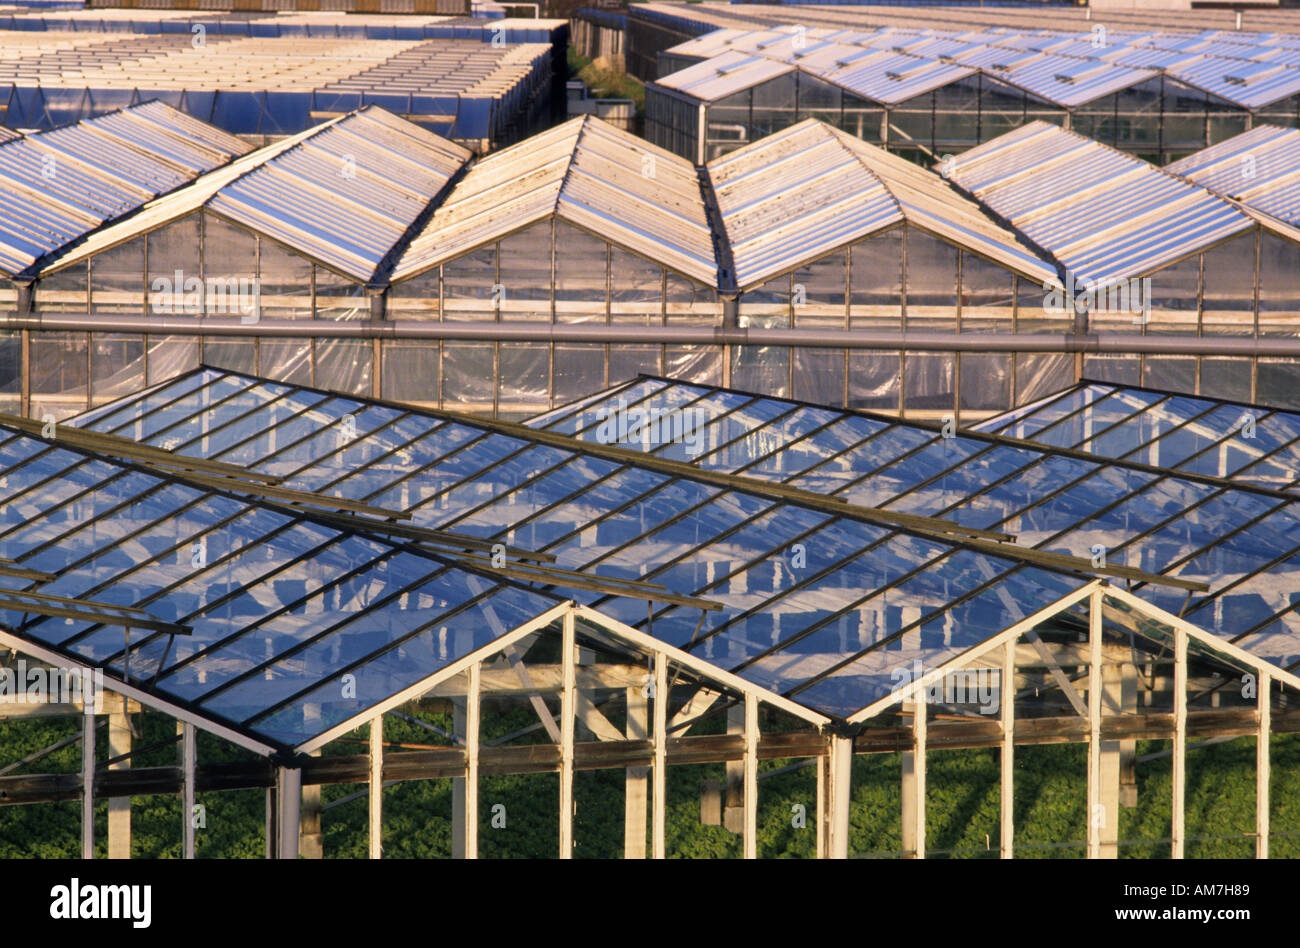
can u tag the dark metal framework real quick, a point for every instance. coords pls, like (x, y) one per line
(548, 463)
(1161, 415)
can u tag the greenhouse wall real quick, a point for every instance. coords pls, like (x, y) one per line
(551, 271)
(1242, 287)
(1159, 120)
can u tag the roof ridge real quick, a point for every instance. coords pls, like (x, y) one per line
(584, 123)
(1016, 234)
(840, 136)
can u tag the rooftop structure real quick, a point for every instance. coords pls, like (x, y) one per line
(476, 92)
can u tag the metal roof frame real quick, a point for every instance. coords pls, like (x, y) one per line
(1271, 502)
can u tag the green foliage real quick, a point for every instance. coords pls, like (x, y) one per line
(605, 83)
(962, 816)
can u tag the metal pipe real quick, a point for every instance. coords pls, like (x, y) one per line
(911, 341)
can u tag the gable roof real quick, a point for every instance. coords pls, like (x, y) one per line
(585, 172)
(800, 193)
(58, 186)
(1105, 215)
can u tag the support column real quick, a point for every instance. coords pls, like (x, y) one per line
(189, 760)
(88, 786)
(841, 786)
(272, 829)
(119, 808)
(312, 837)
(733, 800)
(660, 789)
(636, 779)
(907, 824)
(1007, 827)
(376, 787)
(568, 707)
(1262, 766)
(458, 785)
(473, 718)
(823, 816)
(918, 780)
(288, 818)
(1096, 814)
(1178, 813)
(1118, 776)
(750, 777)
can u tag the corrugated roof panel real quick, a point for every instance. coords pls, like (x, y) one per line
(929, 202)
(64, 183)
(171, 132)
(999, 59)
(1104, 214)
(896, 77)
(710, 43)
(345, 195)
(589, 173)
(1151, 58)
(809, 189)
(1260, 167)
(724, 74)
(173, 205)
(1247, 84)
(1072, 82)
(793, 196)
(660, 215)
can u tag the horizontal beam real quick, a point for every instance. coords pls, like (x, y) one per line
(449, 762)
(103, 442)
(544, 678)
(535, 331)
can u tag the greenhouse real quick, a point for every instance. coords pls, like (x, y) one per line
(924, 96)
(654, 27)
(286, 569)
(1168, 256)
(481, 94)
(577, 259)
(300, 24)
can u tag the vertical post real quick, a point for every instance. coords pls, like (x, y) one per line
(119, 808)
(311, 838)
(1262, 766)
(822, 814)
(919, 731)
(660, 790)
(1008, 761)
(701, 145)
(376, 787)
(289, 793)
(907, 796)
(88, 785)
(1178, 814)
(841, 781)
(272, 831)
(1094, 726)
(459, 790)
(568, 704)
(189, 757)
(473, 723)
(750, 834)
(637, 778)
(733, 800)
